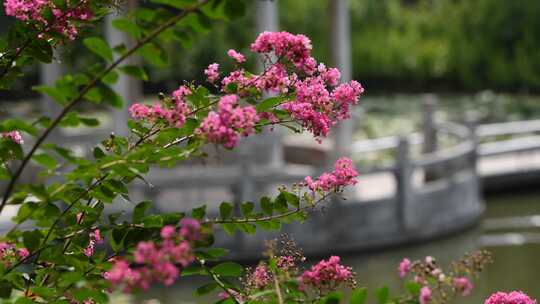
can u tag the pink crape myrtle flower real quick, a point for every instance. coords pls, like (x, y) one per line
(95, 238)
(238, 57)
(285, 262)
(514, 297)
(260, 277)
(212, 72)
(162, 262)
(174, 115)
(295, 48)
(425, 295)
(64, 20)
(190, 229)
(327, 273)
(404, 267)
(229, 121)
(9, 253)
(343, 175)
(14, 136)
(463, 285)
(168, 232)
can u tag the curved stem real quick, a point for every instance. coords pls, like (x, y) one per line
(171, 22)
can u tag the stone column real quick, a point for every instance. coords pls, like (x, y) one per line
(48, 74)
(404, 189)
(267, 19)
(429, 129)
(127, 87)
(341, 58)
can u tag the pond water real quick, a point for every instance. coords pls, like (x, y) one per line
(508, 230)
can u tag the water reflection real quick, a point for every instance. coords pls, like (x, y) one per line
(516, 266)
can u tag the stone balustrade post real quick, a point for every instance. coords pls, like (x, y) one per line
(403, 175)
(471, 121)
(429, 130)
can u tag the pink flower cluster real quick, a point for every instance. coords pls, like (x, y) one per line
(294, 48)
(343, 175)
(9, 253)
(157, 262)
(463, 285)
(327, 274)
(224, 125)
(404, 267)
(173, 114)
(320, 101)
(64, 22)
(317, 109)
(514, 297)
(238, 57)
(14, 136)
(425, 295)
(285, 262)
(212, 72)
(95, 238)
(260, 277)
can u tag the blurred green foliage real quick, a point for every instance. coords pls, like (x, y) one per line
(397, 45)
(407, 45)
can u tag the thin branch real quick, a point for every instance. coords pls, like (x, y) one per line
(171, 22)
(269, 217)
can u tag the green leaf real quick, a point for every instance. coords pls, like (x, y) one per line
(272, 225)
(229, 269)
(32, 239)
(45, 292)
(24, 300)
(5, 289)
(247, 228)
(225, 210)
(55, 93)
(89, 122)
(111, 97)
(99, 47)
(110, 78)
(291, 198)
(268, 103)
(41, 50)
(154, 54)
(358, 296)
(413, 288)
(45, 160)
(94, 95)
(229, 228)
(98, 153)
(199, 212)
(382, 294)
(135, 71)
(116, 239)
(206, 288)
(127, 26)
(217, 252)
(193, 270)
(140, 210)
(153, 221)
(18, 124)
(332, 298)
(266, 205)
(247, 208)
